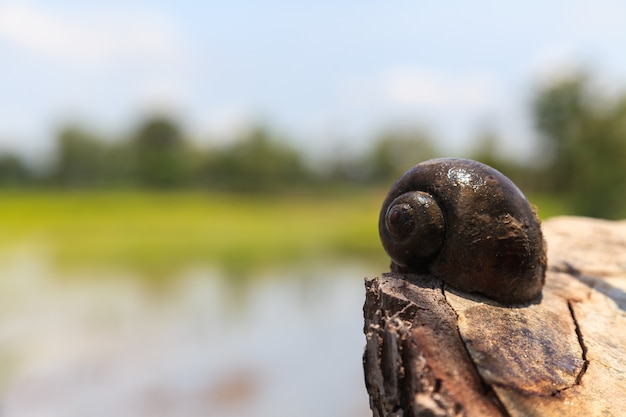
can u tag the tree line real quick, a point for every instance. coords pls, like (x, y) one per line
(581, 156)
(158, 155)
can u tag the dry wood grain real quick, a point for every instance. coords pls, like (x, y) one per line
(431, 351)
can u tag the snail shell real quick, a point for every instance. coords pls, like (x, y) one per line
(467, 224)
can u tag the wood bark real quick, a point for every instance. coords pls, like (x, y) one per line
(432, 351)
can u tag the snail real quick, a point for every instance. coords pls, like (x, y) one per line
(468, 225)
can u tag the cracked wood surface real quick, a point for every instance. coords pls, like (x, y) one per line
(431, 351)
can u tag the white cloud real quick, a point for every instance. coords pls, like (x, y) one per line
(90, 38)
(450, 105)
(435, 90)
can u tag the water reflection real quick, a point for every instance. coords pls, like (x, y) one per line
(287, 344)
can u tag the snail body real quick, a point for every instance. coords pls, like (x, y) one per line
(467, 224)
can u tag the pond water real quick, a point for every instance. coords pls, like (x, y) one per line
(288, 343)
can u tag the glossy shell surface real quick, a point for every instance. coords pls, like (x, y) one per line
(490, 241)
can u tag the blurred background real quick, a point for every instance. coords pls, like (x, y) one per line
(189, 191)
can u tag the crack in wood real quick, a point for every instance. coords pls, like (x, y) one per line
(488, 390)
(581, 341)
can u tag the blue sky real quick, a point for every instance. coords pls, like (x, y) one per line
(328, 74)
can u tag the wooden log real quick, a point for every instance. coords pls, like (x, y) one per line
(433, 351)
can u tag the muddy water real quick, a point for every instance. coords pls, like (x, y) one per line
(102, 344)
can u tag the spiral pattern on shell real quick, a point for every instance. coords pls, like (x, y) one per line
(467, 224)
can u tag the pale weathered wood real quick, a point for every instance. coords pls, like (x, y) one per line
(432, 351)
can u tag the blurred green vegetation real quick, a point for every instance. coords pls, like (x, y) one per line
(157, 233)
(579, 159)
(584, 135)
(155, 201)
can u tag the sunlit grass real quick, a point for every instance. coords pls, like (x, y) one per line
(161, 233)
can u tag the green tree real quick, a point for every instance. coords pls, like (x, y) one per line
(256, 162)
(81, 159)
(584, 133)
(13, 172)
(161, 154)
(393, 153)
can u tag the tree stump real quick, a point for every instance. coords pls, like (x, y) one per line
(432, 351)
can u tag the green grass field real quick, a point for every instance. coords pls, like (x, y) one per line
(160, 233)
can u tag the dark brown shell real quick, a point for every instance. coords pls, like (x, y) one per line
(492, 242)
